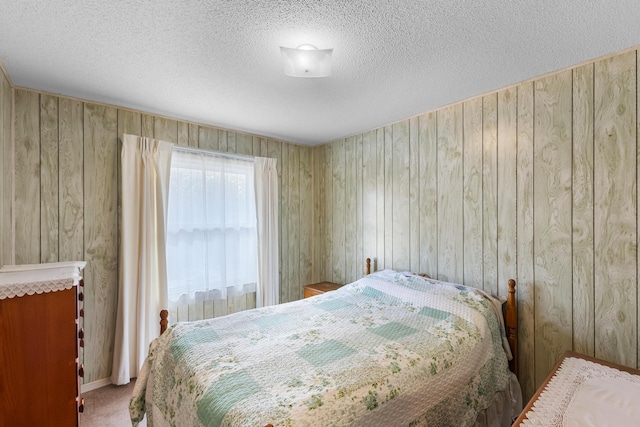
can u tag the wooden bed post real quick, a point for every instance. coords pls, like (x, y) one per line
(163, 321)
(511, 320)
(368, 270)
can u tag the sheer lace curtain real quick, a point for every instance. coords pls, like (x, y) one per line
(211, 232)
(142, 290)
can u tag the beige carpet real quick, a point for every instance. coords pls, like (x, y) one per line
(108, 407)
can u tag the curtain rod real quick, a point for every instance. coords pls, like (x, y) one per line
(213, 153)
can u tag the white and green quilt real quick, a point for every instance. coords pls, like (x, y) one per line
(389, 349)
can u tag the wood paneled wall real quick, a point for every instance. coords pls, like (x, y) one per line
(536, 182)
(67, 198)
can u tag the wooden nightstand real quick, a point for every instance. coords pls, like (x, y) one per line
(319, 288)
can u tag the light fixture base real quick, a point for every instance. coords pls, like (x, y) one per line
(306, 61)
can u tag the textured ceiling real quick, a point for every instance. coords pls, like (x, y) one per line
(218, 62)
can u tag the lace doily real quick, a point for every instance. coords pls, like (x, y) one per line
(29, 279)
(21, 289)
(549, 408)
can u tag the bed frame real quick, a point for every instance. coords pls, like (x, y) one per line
(509, 308)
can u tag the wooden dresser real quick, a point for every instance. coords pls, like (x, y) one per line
(39, 339)
(319, 288)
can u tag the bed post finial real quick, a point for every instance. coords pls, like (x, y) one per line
(368, 266)
(511, 320)
(163, 321)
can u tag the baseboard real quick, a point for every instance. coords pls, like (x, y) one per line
(94, 385)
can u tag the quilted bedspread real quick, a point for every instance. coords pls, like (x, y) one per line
(389, 349)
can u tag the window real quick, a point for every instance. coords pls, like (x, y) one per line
(211, 228)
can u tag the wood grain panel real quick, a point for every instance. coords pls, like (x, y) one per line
(507, 189)
(228, 138)
(552, 220)
(129, 122)
(317, 248)
(388, 198)
(306, 220)
(350, 209)
(327, 186)
(6, 171)
(369, 195)
(236, 303)
(256, 143)
(428, 194)
(207, 309)
(101, 250)
(182, 312)
(339, 207)
(359, 256)
(400, 214)
(250, 298)
(489, 192)
(183, 134)
(48, 178)
(473, 219)
(615, 213)
(450, 238)
(524, 219)
(197, 311)
(71, 180)
(244, 144)
(285, 227)
(71, 184)
(414, 195)
(293, 252)
(194, 135)
(148, 126)
(274, 150)
(221, 140)
(227, 141)
(208, 138)
(378, 261)
(582, 225)
(219, 307)
(27, 177)
(165, 129)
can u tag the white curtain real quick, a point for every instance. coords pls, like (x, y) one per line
(211, 234)
(142, 286)
(266, 188)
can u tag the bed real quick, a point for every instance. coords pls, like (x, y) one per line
(392, 348)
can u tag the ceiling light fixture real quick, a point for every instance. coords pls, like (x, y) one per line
(306, 61)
